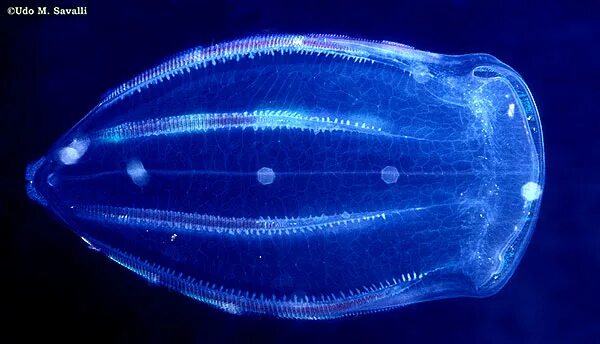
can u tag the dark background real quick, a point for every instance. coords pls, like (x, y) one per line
(56, 68)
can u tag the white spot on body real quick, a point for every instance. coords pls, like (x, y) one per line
(531, 191)
(70, 154)
(511, 110)
(137, 172)
(173, 237)
(389, 174)
(421, 74)
(265, 176)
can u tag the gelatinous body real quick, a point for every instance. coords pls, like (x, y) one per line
(306, 176)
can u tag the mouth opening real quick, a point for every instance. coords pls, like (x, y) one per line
(30, 173)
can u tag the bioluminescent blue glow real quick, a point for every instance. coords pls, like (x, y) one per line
(308, 177)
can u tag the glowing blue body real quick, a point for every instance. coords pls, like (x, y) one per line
(307, 176)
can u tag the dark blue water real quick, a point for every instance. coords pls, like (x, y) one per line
(58, 66)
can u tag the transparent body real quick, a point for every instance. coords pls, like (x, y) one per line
(307, 176)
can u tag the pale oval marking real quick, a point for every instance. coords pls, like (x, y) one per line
(70, 154)
(137, 172)
(389, 174)
(531, 191)
(265, 175)
(421, 74)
